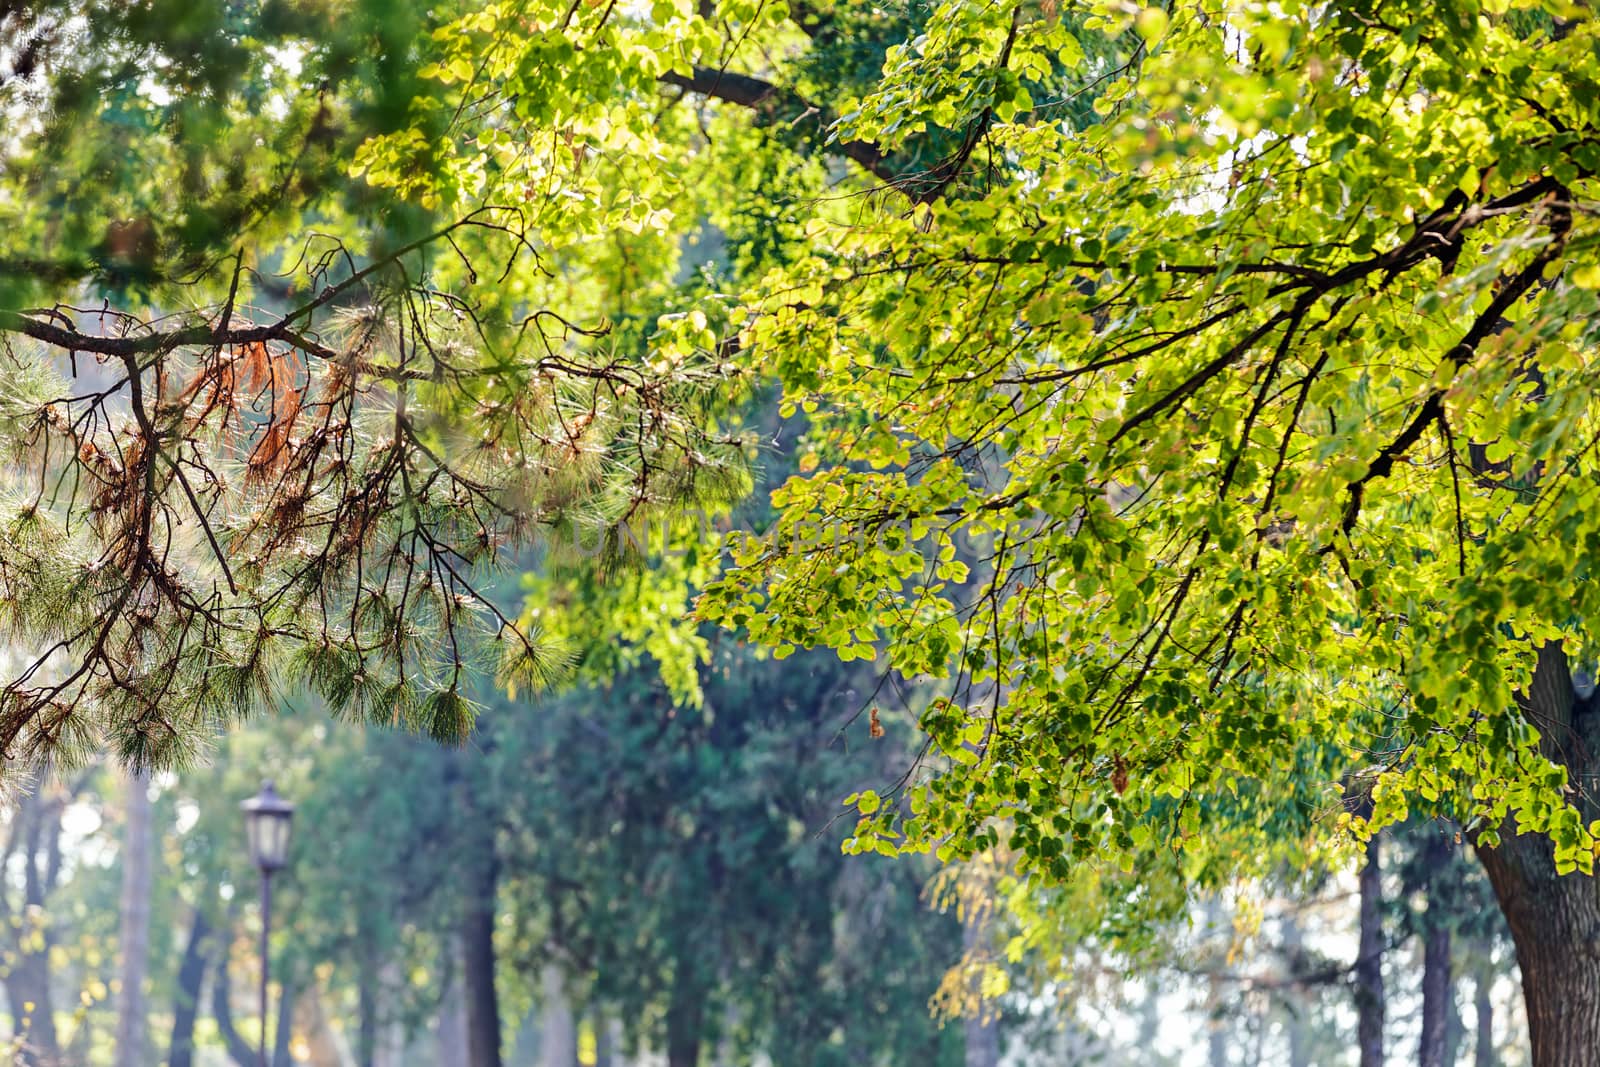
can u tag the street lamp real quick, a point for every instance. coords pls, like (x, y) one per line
(266, 824)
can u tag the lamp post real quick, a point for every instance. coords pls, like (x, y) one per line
(266, 824)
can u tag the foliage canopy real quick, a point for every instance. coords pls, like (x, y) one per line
(1259, 396)
(1198, 397)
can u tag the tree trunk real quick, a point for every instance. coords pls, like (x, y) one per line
(1438, 984)
(478, 960)
(1437, 993)
(685, 1022)
(1555, 919)
(243, 1052)
(1295, 1004)
(1149, 1031)
(28, 979)
(1219, 936)
(137, 846)
(558, 1034)
(367, 1011)
(1483, 1052)
(452, 1027)
(1369, 962)
(32, 1016)
(186, 1000)
(287, 994)
(325, 1046)
(607, 1040)
(392, 1037)
(980, 1029)
(1455, 1029)
(1216, 1027)
(525, 1038)
(1555, 924)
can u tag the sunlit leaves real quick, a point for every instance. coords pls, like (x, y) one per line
(1269, 397)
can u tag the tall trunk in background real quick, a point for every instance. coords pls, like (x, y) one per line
(523, 1045)
(1216, 929)
(1369, 961)
(1438, 984)
(607, 1040)
(1295, 1003)
(366, 1010)
(1299, 1038)
(686, 1015)
(558, 1033)
(288, 993)
(1149, 1031)
(452, 1027)
(32, 1013)
(1554, 918)
(1437, 993)
(325, 1046)
(242, 1051)
(1483, 1051)
(1455, 1029)
(137, 847)
(981, 1030)
(36, 827)
(1216, 1029)
(392, 1037)
(186, 998)
(367, 1021)
(481, 882)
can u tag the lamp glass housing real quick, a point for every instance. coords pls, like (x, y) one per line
(266, 819)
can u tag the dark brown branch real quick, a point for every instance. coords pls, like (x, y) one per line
(1431, 410)
(160, 341)
(771, 103)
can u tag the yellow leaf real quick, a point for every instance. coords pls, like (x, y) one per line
(1586, 276)
(1151, 23)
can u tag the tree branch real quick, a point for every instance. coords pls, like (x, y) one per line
(772, 103)
(145, 343)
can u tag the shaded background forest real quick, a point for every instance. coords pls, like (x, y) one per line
(631, 882)
(607, 876)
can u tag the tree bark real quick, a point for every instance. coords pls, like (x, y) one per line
(1217, 1025)
(36, 825)
(981, 1031)
(607, 1040)
(1295, 1003)
(1455, 1028)
(1555, 924)
(186, 1000)
(1483, 1051)
(1555, 919)
(1369, 961)
(325, 1046)
(1438, 984)
(366, 1013)
(1437, 993)
(558, 1033)
(137, 845)
(243, 1052)
(392, 1037)
(779, 106)
(478, 959)
(452, 1027)
(287, 994)
(32, 1015)
(685, 1021)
